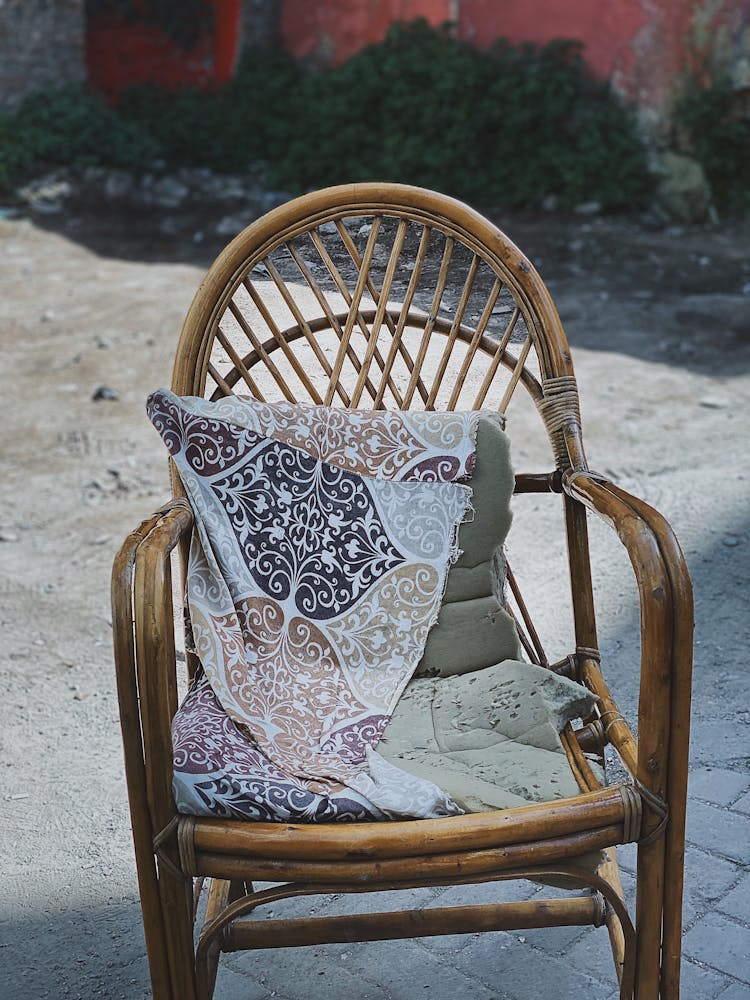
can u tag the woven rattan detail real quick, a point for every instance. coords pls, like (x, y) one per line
(608, 719)
(632, 814)
(160, 841)
(559, 406)
(186, 843)
(658, 806)
(588, 653)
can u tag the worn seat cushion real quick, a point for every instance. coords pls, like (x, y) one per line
(473, 629)
(490, 738)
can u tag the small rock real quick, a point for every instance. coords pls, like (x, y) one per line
(103, 344)
(730, 541)
(746, 288)
(575, 246)
(550, 203)
(650, 220)
(364, 230)
(198, 236)
(711, 403)
(589, 208)
(230, 225)
(105, 392)
(168, 192)
(118, 184)
(328, 227)
(6, 535)
(683, 193)
(101, 540)
(48, 316)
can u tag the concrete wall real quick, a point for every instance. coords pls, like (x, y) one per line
(41, 43)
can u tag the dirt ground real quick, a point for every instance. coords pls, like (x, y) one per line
(659, 322)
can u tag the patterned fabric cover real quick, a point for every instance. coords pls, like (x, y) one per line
(322, 543)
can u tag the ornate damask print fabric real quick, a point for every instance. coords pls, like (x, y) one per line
(322, 543)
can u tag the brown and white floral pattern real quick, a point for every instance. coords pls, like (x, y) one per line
(322, 543)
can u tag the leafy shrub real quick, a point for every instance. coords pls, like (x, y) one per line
(504, 127)
(65, 126)
(244, 124)
(711, 122)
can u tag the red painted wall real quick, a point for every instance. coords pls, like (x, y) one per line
(120, 54)
(643, 46)
(606, 26)
(329, 32)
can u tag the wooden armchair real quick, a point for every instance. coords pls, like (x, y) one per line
(386, 296)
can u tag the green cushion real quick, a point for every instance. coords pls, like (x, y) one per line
(473, 629)
(489, 738)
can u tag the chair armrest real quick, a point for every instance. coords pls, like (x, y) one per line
(666, 613)
(143, 627)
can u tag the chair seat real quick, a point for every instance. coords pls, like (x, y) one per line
(490, 738)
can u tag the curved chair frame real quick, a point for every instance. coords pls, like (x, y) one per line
(368, 330)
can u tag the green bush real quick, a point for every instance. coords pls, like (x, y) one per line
(234, 130)
(69, 126)
(712, 124)
(502, 128)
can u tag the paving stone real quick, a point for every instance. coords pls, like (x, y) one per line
(742, 804)
(714, 742)
(513, 968)
(406, 970)
(593, 954)
(233, 985)
(554, 940)
(719, 831)
(699, 983)
(707, 879)
(717, 785)
(737, 902)
(304, 973)
(627, 857)
(722, 944)
(374, 902)
(736, 991)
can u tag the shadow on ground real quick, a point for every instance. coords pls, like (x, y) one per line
(670, 295)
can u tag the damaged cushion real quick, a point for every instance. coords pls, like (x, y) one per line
(473, 629)
(489, 738)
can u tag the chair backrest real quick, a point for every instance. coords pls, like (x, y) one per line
(382, 296)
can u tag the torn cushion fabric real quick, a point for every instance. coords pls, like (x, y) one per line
(474, 629)
(312, 587)
(491, 737)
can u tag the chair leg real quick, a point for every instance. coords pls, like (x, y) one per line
(153, 924)
(648, 920)
(176, 895)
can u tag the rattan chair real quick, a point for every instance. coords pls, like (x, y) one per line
(382, 295)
